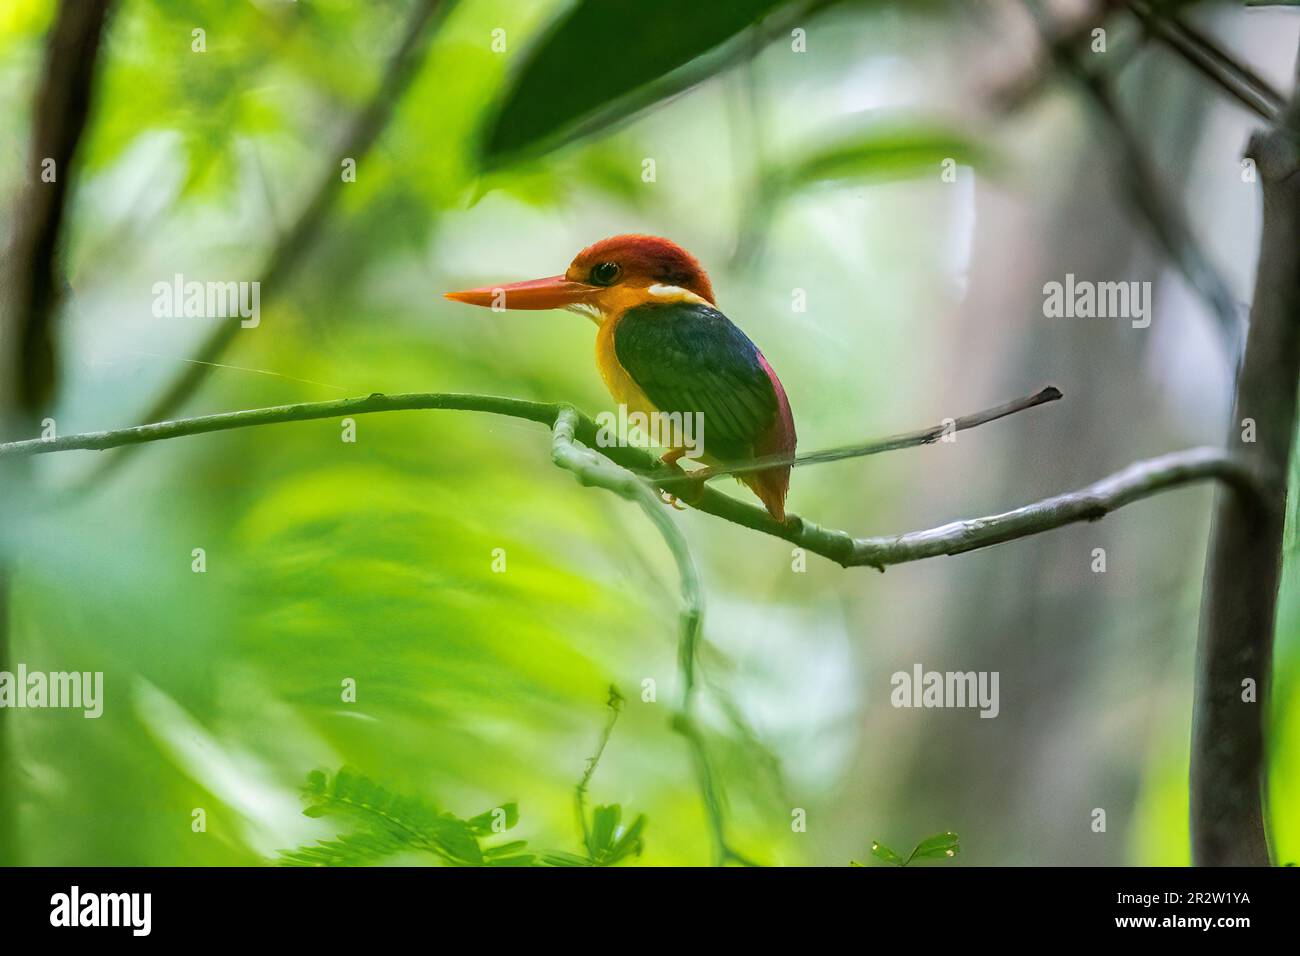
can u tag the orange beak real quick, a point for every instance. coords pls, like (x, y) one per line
(557, 292)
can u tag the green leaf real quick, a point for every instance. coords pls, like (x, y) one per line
(317, 783)
(504, 848)
(604, 821)
(482, 825)
(510, 854)
(629, 843)
(606, 59)
(938, 847)
(455, 840)
(882, 852)
(879, 152)
(561, 858)
(608, 842)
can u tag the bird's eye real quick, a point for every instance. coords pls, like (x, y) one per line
(606, 273)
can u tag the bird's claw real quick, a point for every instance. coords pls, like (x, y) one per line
(671, 500)
(696, 488)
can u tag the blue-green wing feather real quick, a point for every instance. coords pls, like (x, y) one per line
(690, 358)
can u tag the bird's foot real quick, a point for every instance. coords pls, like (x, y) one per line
(671, 500)
(695, 488)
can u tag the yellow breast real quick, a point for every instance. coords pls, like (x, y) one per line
(617, 380)
(613, 305)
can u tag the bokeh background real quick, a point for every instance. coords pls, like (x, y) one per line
(817, 171)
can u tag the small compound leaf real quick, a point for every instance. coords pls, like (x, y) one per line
(882, 852)
(938, 847)
(353, 849)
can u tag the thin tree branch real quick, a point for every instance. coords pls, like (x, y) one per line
(1138, 481)
(924, 436)
(291, 250)
(1057, 38)
(1162, 215)
(541, 412)
(1243, 569)
(593, 469)
(1235, 78)
(1209, 59)
(1238, 616)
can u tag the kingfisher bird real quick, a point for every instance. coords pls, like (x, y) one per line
(663, 346)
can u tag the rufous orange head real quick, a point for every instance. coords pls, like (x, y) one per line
(606, 276)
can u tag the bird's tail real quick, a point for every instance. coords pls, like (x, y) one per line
(771, 486)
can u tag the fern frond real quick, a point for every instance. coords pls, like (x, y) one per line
(350, 849)
(408, 820)
(403, 822)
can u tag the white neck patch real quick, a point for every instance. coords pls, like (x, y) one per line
(674, 293)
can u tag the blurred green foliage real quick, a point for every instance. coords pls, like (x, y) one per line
(375, 562)
(634, 48)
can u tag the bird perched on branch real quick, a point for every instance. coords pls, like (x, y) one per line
(663, 347)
